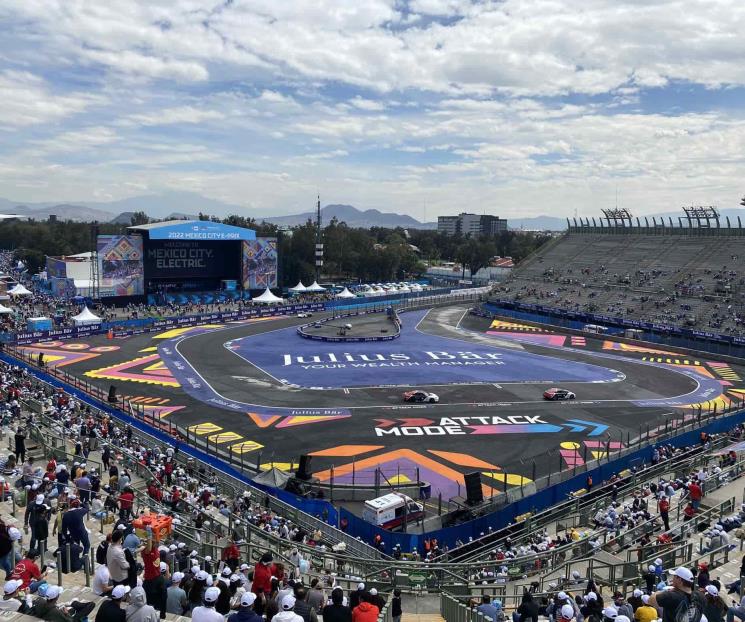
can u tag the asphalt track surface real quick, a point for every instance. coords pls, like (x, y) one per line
(490, 417)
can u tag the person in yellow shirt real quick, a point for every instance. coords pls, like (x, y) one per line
(645, 613)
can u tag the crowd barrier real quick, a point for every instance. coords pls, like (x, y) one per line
(122, 328)
(656, 333)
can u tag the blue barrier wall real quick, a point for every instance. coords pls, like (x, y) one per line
(655, 333)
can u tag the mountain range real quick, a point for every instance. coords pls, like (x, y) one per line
(187, 205)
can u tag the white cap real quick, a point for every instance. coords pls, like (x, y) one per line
(226, 572)
(683, 573)
(120, 526)
(561, 596)
(120, 591)
(173, 547)
(658, 562)
(208, 558)
(14, 534)
(637, 592)
(567, 612)
(651, 568)
(645, 598)
(360, 586)
(288, 602)
(610, 612)
(211, 594)
(622, 619)
(712, 589)
(53, 591)
(12, 585)
(202, 575)
(373, 592)
(248, 599)
(163, 567)
(193, 554)
(245, 567)
(177, 577)
(591, 596)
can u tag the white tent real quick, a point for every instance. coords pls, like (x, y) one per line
(4, 310)
(298, 288)
(19, 290)
(345, 293)
(86, 316)
(315, 287)
(267, 298)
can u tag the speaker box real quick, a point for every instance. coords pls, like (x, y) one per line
(474, 493)
(303, 470)
(112, 393)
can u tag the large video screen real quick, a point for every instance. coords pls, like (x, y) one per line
(56, 268)
(192, 259)
(259, 263)
(121, 267)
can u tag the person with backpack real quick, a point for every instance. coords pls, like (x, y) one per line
(682, 603)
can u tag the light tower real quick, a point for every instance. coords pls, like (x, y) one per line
(319, 240)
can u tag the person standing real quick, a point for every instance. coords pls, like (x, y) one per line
(396, 610)
(682, 595)
(337, 611)
(207, 612)
(664, 506)
(20, 444)
(176, 601)
(116, 561)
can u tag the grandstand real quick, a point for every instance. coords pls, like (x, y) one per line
(694, 282)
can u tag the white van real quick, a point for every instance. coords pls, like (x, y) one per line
(388, 511)
(594, 328)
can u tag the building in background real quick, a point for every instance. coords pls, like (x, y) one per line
(471, 224)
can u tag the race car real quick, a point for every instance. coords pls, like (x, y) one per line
(304, 314)
(555, 394)
(421, 397)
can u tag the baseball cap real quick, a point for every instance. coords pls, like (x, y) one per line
(248, 599)
(610, 612)
(645, 598)
(622, 619)
(120, 591)
(39, 499)
(651, 568)
(288, 602)
(373, 592)
(12, 585)
(14, 534)
(211, 594)
(637, 592)
(245, 567)
(202, 575)
(561, 596)
(567, 612)
(591, 596)
(53, 591)
(712, 589)
(683, 573)
(360, 586)
(226, 572)
(163, 567)
(177, 577)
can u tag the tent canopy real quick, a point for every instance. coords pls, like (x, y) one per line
(86, 316)
(345, 293)
(4, 309)
(315, 287)
(19, 290)
(298, 288)
(273, 477)
(267, 297)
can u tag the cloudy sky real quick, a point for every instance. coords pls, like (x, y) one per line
(518, 107)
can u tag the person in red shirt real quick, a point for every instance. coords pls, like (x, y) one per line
(365, 611)
(263, 573)
(231, 555)
(695, 492)
(28, 571)
(126, 500)
(665, 512)
(151, 561)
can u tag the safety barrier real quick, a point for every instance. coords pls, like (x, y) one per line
(303, 330)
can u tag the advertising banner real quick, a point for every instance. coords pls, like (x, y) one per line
(121, 267)
(56, 268)
(191, 260)
(259, 263)
(63, 288)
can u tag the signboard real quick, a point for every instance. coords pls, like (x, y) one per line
(191, 259)
(201, 230)
(259, 263)
(56, 268)
(121, 267)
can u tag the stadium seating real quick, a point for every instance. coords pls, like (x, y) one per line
(694, 282)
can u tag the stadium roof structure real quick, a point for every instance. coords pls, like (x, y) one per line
(193, 230)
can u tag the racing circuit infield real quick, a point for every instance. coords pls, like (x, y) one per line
(257, 388)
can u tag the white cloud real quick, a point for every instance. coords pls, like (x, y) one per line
(26, 99)
(172, 116)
